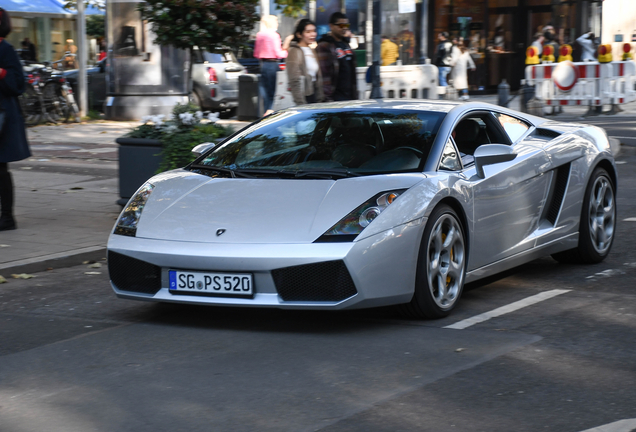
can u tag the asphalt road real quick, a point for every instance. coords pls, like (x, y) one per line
(75, 358)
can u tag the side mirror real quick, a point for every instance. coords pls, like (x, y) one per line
(202, 148)
(489, 154)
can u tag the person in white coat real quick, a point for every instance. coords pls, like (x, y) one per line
(459, 74)
(588, 47)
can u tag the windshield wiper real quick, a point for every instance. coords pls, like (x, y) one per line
(233, 173)
(327, 174)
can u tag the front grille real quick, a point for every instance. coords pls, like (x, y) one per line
(326, 281)
(131, 274)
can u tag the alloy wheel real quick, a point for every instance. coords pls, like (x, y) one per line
(445, 261)
(602, 214)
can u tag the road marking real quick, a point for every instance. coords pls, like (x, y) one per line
(529, 301)
(619, 137)
(626, 425)
(632, 219)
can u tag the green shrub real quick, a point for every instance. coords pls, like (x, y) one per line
(186, 129)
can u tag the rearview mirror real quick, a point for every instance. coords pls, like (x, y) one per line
(489, 154)
(202, 148)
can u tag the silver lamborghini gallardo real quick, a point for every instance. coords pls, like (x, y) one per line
(367, 203)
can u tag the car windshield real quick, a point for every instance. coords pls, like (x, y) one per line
(329, 141)
(219, 57)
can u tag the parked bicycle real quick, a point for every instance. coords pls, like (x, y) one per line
(48, 96)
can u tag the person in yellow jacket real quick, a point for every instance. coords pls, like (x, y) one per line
(389, 52)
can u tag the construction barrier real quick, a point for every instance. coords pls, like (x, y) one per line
(583, 83)
(397, 82)
(402, 82)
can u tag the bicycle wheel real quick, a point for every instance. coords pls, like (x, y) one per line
(55, 104)
(31, 107)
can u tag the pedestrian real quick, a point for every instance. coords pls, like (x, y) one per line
(13, 139)
(588, 47)
(31, 49)
(70, 52)
(459, 73)
(406, 41)
(389, 52)
(336, 61)
(549, 36)
(267, 48)
(443, 57)
(537, 44)
(303, 72)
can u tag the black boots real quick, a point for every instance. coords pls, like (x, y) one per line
(6, 201)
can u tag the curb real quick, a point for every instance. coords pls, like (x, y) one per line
(58, 260)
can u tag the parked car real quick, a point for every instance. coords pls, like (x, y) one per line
(215, 81)
(95, 81)
(367, 203)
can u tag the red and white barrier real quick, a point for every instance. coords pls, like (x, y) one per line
(584, 83)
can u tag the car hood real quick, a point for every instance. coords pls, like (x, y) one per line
(185, 206)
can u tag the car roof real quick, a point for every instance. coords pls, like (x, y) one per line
(371, 104)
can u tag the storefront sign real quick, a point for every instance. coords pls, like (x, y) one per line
(406, 6)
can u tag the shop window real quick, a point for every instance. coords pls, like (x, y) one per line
(398, 25)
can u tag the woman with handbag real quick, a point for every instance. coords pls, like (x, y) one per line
(303, 72)
(13, 139)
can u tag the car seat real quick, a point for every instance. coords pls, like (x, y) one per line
(466, 134)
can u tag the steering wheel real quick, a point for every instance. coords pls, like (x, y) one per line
(418, 152)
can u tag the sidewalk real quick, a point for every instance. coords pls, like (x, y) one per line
(65, 197)
(66, 193)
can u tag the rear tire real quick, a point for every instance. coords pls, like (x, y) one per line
(597, 224)
(195, 99)
(441, 268)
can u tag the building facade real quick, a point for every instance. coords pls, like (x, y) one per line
(496, 32)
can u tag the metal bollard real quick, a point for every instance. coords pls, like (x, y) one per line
(503, 92)
(527, 93)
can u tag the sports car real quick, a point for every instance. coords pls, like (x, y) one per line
(367, 203)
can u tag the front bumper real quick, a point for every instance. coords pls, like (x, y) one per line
(382, 268)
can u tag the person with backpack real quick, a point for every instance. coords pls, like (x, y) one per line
(444, 57)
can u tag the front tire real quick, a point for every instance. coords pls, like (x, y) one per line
(441, 268)
(597, 224)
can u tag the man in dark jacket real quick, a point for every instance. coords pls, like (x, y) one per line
(337, 62)
(444, 57)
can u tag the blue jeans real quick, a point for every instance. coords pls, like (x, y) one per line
(443, 72)
(267, 83)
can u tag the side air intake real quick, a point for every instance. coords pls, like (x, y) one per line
(560, 185)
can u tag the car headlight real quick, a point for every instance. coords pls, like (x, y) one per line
(127, 223)
(351, 225)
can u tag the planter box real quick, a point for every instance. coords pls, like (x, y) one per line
(139, 159)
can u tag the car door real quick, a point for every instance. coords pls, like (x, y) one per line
(509, 200)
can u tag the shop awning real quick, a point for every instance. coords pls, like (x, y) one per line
(33, 6)
(90, 10)
(43, 7)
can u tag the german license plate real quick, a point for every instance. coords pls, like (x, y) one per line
(232, 75)
(226, 284)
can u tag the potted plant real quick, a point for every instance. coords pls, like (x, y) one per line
(161, 144)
